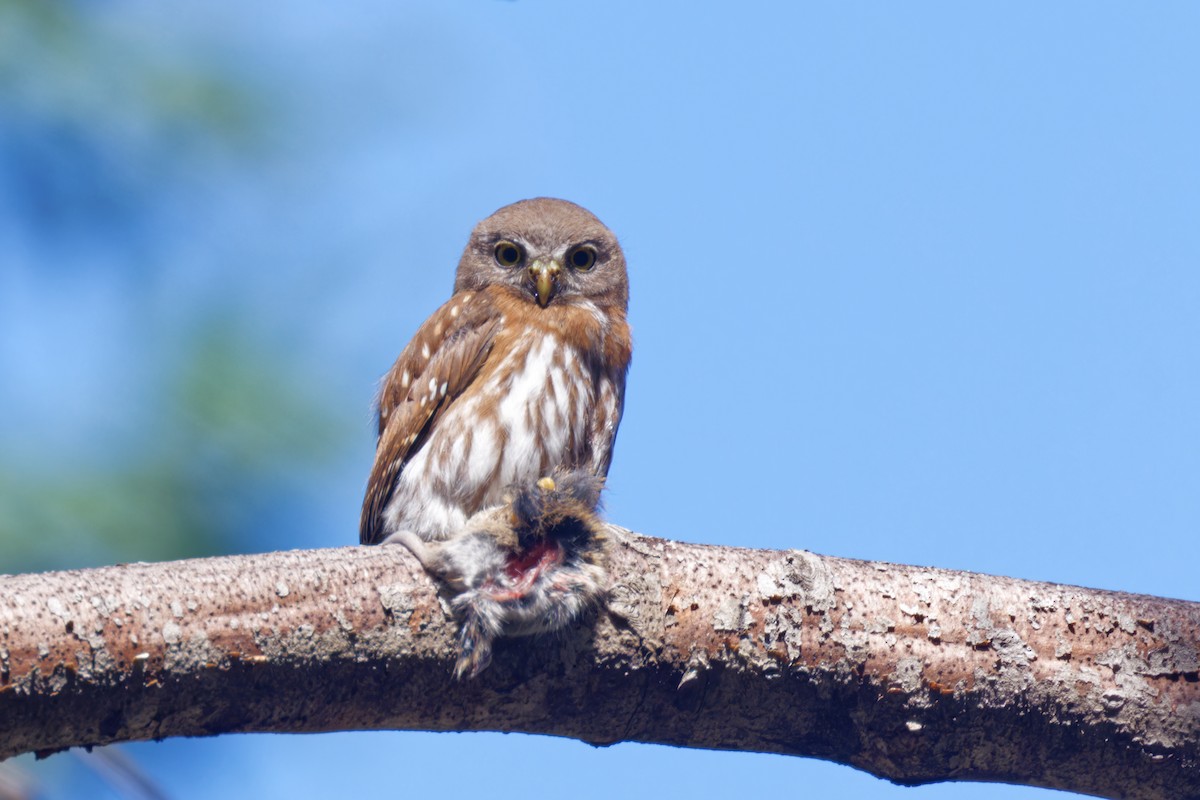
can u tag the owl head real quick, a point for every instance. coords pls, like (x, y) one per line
(550, 252)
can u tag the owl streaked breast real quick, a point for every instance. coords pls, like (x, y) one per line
(528, 413)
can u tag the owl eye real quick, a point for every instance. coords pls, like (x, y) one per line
(582, 258)
(508, 254)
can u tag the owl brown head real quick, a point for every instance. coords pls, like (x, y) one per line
(548, 251)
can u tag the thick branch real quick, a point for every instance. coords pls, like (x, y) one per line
(912, 674)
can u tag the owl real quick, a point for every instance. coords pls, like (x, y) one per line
(497, 421)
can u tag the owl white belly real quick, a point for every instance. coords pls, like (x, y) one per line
(525, 417)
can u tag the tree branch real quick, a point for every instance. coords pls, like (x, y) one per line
(916, 675)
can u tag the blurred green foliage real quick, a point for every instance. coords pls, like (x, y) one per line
(98, 124)
(97, 127)
(72, 60)
(218, 446)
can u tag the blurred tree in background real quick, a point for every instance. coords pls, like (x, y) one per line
(100, 126)
(197, 432)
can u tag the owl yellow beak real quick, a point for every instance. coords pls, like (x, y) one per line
(545, 276)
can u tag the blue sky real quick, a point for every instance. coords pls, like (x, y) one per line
(911, 282)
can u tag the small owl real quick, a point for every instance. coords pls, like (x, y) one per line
(509, 396)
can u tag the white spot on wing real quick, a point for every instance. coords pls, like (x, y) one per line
(424, 349)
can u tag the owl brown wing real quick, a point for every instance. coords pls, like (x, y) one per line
(610, 392)
(610, 402)
(434, 369)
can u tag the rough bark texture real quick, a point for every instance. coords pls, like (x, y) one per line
(915, 675)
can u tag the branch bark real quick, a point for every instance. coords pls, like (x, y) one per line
(912, 674)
